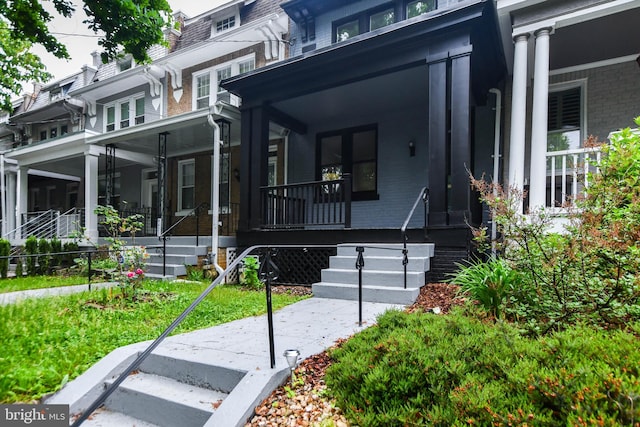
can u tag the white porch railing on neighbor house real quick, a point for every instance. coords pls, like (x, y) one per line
(47, 225)
(568, 173)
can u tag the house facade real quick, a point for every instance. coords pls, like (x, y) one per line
(136, 128)
(574, 73)
(380, 99)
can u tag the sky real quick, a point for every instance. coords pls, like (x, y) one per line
(80, 41)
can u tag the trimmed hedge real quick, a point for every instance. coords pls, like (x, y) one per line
(454, 370)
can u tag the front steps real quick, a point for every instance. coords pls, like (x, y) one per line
(167, 392)
(382, 274)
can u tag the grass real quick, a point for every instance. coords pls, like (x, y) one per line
(40, 282)
(45, 342)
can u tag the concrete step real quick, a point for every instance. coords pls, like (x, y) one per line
(381, 294)
(171, 269)
(186, 250)
(389, 279)
(388, 263)
(163, 401)
(174, 259)
(387, 249)
(193, 372)
(106, 418)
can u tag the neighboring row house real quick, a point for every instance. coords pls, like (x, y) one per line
(116, 133)
(334, 115)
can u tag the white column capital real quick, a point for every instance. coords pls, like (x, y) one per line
(545, 31)
(521, 37)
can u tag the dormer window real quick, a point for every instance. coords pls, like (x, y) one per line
(125, 64)
(225, 24)
(417, 8)
(55, 94)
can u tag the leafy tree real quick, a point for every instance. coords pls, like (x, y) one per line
(129, 26)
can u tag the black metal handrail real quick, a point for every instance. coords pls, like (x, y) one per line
(165, 234)
(424, 197)
(143, 355)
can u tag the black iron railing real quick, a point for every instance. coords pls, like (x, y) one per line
(424, 197)
(317, 203)
(229, 217)
(268, 274)
(195, 212)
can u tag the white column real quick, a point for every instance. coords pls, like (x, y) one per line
(23, 197)
(11, 200)
(3, 197)
(518, 114)
(538, 169)
(91, 196)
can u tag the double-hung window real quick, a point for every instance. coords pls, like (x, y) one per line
(203, 90)
(221, 74)
(186, 184)
(207, 82)
(353, 151)
(564, 129)
(417, 8)
(124, 113)
(225, 24)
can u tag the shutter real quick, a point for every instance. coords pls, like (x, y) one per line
(564, 110)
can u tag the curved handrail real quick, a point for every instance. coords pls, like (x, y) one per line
(424, 196)
(142, 356)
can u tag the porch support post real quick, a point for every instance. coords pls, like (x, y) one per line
(518, 115)
(254, 159)
(438, 141)
(162, 183)
(460, 158)
(110, 171)
(23, 197)
(11, 201)
(91, 195)
(538, 169)
(3, 196)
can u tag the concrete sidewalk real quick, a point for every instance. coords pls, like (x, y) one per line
(11, 297)
(241, 346)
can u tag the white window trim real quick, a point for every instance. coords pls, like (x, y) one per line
(183, 212)
(213, 78)
(116, 104)
(582, 84)
(215, 20)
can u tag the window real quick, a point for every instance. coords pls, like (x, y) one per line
(118, 115)
(382, 19)
(64, 129)
(246, 66)
(352, 151)
(53, 133)
(139, 119)
(347, 30)
(203, 89)
(416, 8)
(111, 118)
(221, 74)
(124, 115)
(55, 94)
(225, 24)
(43, 135)
(186, 184)
(564, 130)
(125, 64)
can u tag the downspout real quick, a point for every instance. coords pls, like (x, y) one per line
(3, 196)
(215, 189)
(496, 163)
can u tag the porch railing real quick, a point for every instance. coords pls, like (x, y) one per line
(568, 174)
(47, 225)
(307, 204)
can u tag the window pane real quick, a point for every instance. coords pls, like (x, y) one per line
(364, 145)
(347, 30)
(246, 66)
(331, 157)
(416, 8)
(188, 174)
(204, 86)
(53, 132)
(64, 129)
(187, 198)
(364, 176)
(381, 19)
(223, 73)
(124, 115)
(139, 111)
(111, 114)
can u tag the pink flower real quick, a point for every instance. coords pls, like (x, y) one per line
(139, 272)
(130, 274)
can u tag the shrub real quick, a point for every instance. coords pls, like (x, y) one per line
(423, 369)
(19, 269)
(31, 249)
(490, 283)
(56, 248)
(5, 249)
(43, 260)
(249, 276)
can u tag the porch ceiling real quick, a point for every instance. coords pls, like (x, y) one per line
(374, 96)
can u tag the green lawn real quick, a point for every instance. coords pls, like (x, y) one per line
(40, 282)
(45, 342)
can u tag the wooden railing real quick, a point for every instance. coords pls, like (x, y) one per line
(307, 204)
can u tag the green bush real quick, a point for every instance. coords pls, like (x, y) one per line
(19, 271)
(44, 248)
(423, 369)
(249, 275)
(5, 249)
(56, 248)
(31, 249)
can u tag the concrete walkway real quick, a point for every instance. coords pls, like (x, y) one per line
(11, 297)
(310, 326)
